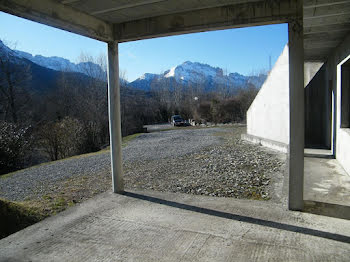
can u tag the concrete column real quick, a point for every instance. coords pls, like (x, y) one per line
(115, 118)
(296, 105)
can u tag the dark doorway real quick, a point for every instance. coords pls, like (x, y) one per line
(318, 111)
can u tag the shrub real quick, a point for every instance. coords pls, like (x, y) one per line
(15, 144)
(63, 138)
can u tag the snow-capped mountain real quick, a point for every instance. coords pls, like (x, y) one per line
(62, 64)
(8, 54)
(194, 72)
(57, 63)
(144, 81)
(189, 73)
(4, 49)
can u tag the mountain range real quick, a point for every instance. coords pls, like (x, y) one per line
(185, 74)
(42, 78)
(63, 65)
(194, 73)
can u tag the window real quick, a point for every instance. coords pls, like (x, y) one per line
(345, 95)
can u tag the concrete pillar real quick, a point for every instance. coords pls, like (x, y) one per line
(296, 104)
(115, 118)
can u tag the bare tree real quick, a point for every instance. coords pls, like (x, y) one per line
(62, 138)
(93, 103)
(14, 76)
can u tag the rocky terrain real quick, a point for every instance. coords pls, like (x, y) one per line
(232, 168)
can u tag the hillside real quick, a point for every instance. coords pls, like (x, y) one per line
(38, 79)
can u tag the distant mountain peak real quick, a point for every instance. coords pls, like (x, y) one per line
(148, 76)
(189, 73)
(170, 73)
(56, 63)
(63, 64)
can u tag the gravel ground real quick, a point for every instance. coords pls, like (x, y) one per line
(233, 168)
(43, 179)
(207, 161)
(170, 144)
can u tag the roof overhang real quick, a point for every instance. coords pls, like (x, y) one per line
(326, 22)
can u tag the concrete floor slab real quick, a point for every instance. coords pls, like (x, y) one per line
(319, 153)
(155, 226)
(326, 181)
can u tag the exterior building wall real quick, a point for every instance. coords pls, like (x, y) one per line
(343, 148)
(268, 115)
(341, 139)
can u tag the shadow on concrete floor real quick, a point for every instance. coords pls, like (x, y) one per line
(246, 219)
(326, 181)
(327, 209)
(326, 185)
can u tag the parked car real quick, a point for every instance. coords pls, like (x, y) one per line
(177, 120)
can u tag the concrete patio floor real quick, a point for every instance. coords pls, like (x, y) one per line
(326, 186)
(326, 181)
(155, 226)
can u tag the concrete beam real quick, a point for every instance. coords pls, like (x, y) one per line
(115, 132)
(296, 104)
(325, 21)
(326, 28)
(232, 16)
(324, 11)
(314, 44)
(316, 54)
(123, 11)
(319, 3)
(328, 36)
(311, 58)
(61, 16)
(126, 6)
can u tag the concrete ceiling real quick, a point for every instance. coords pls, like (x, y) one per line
(326, 22)
(125, 10)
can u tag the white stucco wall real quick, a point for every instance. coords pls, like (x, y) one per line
(310, 70)
(343, 148)
(342, 134)
(268, 115)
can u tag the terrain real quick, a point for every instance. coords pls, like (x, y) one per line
(199, 161)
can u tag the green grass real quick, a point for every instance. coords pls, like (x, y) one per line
(128, 139)
(16, 216)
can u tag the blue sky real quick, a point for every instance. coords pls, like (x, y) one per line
(244, 50)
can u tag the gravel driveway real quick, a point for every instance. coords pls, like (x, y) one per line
(229, 167)
(173, 143)
(43, 179)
